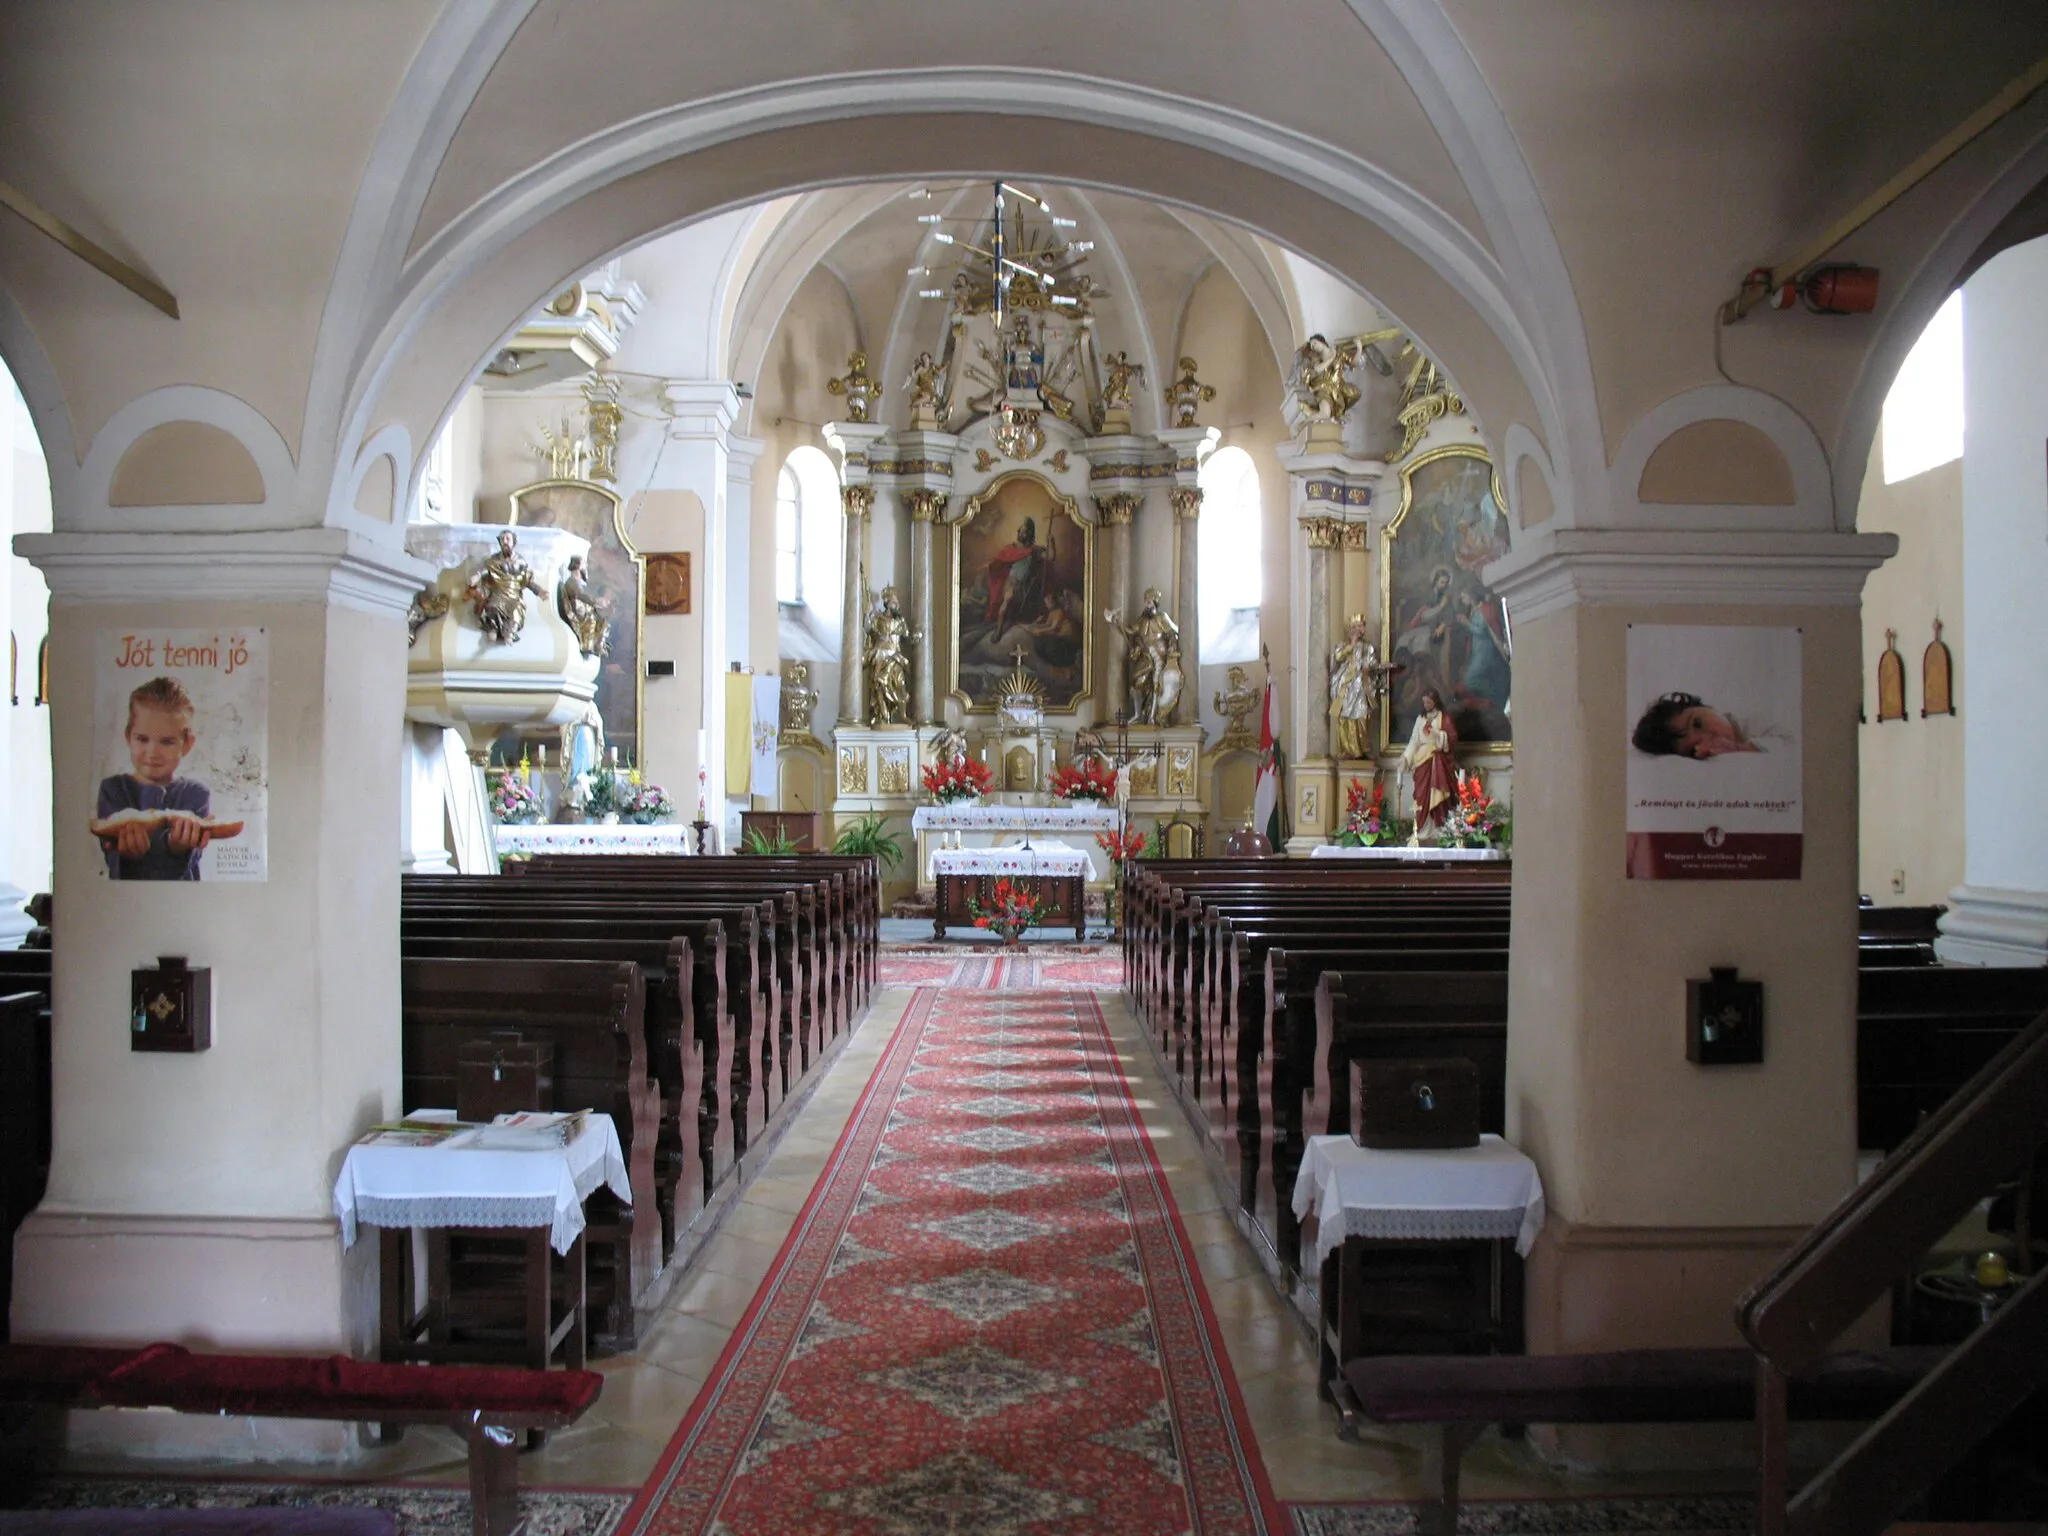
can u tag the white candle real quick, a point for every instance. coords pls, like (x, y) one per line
(612, 756)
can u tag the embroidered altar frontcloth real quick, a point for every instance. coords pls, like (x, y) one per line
(1085, 816)
(1042, 860)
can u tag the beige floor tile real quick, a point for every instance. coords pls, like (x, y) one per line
(740, 1257)
(714, 1297)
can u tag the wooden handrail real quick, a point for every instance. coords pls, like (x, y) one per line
(1986, 1130)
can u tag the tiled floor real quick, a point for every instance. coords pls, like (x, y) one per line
(647, 1393)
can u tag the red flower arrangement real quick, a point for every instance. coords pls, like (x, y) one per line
(1365, 819)
(1089, 779)
(961, 779)
(1122, 847)
(1476, 821)
(1010, 909)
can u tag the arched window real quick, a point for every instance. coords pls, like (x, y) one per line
(1228, 557)
(808, 537)
(1923, 413)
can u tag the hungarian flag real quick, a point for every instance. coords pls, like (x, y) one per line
(1269, 798)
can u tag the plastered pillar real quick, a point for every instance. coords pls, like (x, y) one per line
(926, 506)
(1671, 1186)
(697, 457)
(190, 1195)
(858, 500)
(1115, 511)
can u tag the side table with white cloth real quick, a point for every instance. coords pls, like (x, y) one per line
(1403, 853)
(1410, 1247)
(1055, 872)
(454, 1190)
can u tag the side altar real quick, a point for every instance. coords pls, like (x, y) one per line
(943, 828)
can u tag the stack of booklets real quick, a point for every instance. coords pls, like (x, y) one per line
(411, 1133)
(530, 1131)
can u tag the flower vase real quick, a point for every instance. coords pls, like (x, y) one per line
(608, 819)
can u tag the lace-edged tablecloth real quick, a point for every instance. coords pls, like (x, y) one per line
(1088, 817)
(1401, 852)
(454, 1185)
(1490, 1190)
(594, 837)
(1045, 860)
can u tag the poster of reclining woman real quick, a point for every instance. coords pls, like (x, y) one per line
(1021, 563)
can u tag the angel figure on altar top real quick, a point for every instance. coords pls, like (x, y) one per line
(1429, 758)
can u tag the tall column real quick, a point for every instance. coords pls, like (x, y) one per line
(1115, 511)
(697, 458)
(859, 501)
(1999, 914)
(741, 454)
(1670, 1185)
(1322, 535)
(925, 506)
(1187, 508)
(189, 1195)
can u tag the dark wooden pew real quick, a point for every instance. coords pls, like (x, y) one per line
(592, 1017)
(1923, 1031)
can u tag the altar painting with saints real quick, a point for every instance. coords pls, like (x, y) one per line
(1442, 628)
(1021, 563)
(617, 579)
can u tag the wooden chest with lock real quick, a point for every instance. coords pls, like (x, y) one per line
(1415, 1104)
(502, 1074)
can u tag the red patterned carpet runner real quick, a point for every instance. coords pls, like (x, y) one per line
(986, 1322)
(1088, 967)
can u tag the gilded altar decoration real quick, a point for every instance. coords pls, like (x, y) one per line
(925, 505)
(984, 461)
(1187, 394)
(1180, 770)
(892, 770)
(583, 610)
(1119, 373)
(1152, 670)
(1442, 629)
(860, 390)
(1320, 383)
(853, 771)
(497, 591)
(1022, 574)
(1187, 502)
(1236, 705)
(1891, 680)
(1019, 435)
(948, 743)
(887, 660)
(604, 415)
(799, 698)
(563, 455)
(857, 500)
(1937, 677)
(1058, 462)
(1426, 397)
(1357, 678)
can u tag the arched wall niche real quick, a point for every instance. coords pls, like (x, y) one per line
(376, 492)
(186, 464)
(1533, 501)
(1728, 463)
(1711, 457)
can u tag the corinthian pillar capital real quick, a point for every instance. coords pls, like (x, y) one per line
(925, 505)
(858, 500)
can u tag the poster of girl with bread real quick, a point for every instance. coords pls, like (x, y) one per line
(181, 725)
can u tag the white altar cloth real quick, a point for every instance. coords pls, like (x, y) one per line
(1082, 816)
(625, 837)
(1491, 1190)
(454, 1185)
(1045, 860)
(1402, 852)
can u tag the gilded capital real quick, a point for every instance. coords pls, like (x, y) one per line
(1187, 502)
(925, 505)
(1354, 536)
(1117, 508)
(859, 500)
(1323, 532)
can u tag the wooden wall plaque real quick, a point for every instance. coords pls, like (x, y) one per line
(668, 583)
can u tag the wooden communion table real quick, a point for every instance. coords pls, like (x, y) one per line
(1052, 871)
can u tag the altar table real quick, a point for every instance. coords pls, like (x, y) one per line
(1401, 852)
(451, 1189)
(1054, 872)
(667, 837)
(977, 825)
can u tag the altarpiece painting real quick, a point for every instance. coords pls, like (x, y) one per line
(1022, 560)
(1442, 628)
(618, 580)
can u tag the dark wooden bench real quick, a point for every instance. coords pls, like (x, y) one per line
(1461, 1394)
(490, 1408)
(590, 1017)
(1923, 1031)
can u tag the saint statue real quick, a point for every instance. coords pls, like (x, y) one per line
(1319, 384)
(497, 591)
(888, 662)
(583, 611)
(949, 745)
(1119, 373)
(925, 385)
(1152, 669)
(583, 744)
(1429, 759)
(1355, 674)
(1235, 706)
